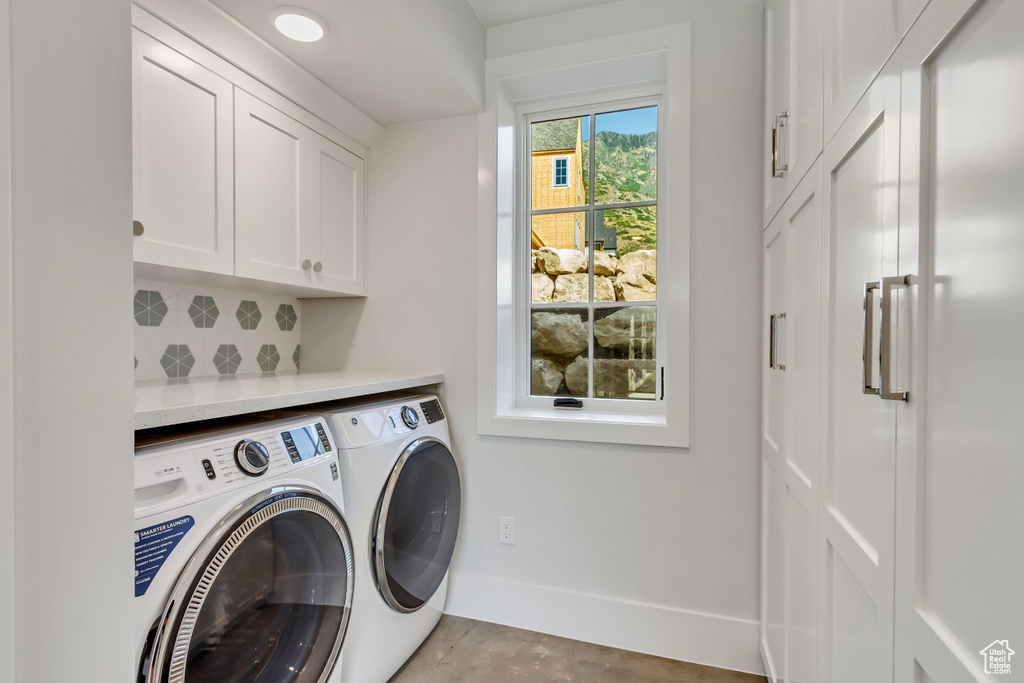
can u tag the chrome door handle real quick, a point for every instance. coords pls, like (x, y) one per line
(869, 333)
(778, 169)
(773, 328)
(886, 341)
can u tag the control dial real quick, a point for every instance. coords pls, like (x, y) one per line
(252, 457)
(410, 417)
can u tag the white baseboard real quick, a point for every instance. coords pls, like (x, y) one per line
(710, 639)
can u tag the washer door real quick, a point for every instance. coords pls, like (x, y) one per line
(265, 599)
(417, 523)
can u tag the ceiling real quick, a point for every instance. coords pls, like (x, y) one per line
(499, 12)
(399, 61)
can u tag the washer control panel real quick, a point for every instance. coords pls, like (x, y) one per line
(174, 474)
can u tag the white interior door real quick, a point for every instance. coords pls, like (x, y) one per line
(182, 156)
(857, 512)
(961, 470)
(336, 232)
(270, 151)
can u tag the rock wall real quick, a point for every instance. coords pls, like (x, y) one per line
(561, 275)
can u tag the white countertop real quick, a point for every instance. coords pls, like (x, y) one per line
(166, 402)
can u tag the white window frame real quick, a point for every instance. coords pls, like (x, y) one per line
(633, 67)
(554, 171)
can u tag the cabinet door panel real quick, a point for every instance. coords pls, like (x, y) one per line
(962, 230)
(858, 508)
(337, 197)
(859, 36)
(182, 154)
(270, 151)
(777, 84)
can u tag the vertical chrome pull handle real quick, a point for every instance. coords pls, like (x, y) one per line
(773, 344)
(886, 341)
(778, 168)
(869, 334)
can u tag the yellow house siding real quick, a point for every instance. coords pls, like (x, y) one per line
(561, 231)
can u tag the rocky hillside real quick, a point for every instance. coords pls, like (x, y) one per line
(627, 171)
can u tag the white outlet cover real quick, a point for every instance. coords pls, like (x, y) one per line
(506, 530)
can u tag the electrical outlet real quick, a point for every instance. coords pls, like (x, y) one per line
(506, 530)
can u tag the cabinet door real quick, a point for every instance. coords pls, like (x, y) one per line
(182, 155)
(335, 231)
(793, 95)
(859, 37)
(791, 447)
(271, 152)
(857, 508)
(960, 599)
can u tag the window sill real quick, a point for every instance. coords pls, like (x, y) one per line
(566, 425)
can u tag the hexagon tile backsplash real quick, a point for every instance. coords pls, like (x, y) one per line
(185, 331)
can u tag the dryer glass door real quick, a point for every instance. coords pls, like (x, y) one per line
(265, 601)
(417, 523)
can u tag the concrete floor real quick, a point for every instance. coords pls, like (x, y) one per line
(467, 651)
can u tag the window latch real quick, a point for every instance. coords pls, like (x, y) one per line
(568, 403)
(662, 382)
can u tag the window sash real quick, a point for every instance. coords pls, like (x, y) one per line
(524, 305)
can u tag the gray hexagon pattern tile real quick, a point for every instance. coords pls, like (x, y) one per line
(203, 311)
(227, 359)
(248, 315)
(177, 361)
(286, 317)
(150, 308)
(268, 358)
(296, 356)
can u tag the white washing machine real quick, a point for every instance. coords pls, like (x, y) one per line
(403, 497)
(243, 559)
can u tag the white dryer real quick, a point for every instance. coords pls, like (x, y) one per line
(403, 497)
(243, 560)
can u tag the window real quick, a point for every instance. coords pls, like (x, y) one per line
(592, 318)
(561, 173)
(584, 188)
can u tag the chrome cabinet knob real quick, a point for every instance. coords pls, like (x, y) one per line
(138, 228)
(307, 264)
(318, 266)
(252, 457)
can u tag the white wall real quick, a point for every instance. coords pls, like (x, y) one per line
(647, 548)
(67, 267)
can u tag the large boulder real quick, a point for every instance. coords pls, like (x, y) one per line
(573, 287)
(635, 287)
(560, 335)
(561, 261)
(545, 377)
(543, 288)
(603, 289)
(643, 262)
(634, 326)
(604, 263)
(613, 378)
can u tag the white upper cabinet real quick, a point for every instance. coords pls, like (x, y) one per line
(335, 237)
(793, 96)
(233, 180)
(182, 156)
(298, 199)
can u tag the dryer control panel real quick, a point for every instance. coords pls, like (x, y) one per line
(177, 473)
(378, 422)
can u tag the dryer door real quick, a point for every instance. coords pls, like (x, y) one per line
(265, 599)
(417, 523)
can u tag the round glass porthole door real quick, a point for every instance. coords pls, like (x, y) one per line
(417, 523)
(266, 601)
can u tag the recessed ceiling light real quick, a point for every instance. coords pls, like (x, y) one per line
(298, 24)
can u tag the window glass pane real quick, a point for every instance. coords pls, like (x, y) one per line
(559, 260)
(626, 151)
(557, 162)
(626, 242)
(559, 349)
(624, 352)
